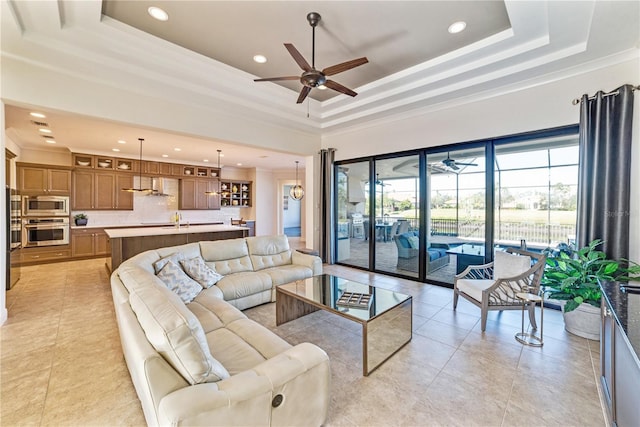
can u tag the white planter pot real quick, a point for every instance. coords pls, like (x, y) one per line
(584, 322)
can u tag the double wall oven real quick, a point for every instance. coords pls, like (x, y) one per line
(45, 221)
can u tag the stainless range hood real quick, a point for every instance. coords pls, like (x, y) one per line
(157, 187)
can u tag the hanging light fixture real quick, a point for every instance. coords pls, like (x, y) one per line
(140, 189)
(296, 192)
(217, 191)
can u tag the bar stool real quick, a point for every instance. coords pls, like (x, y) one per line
(523, 337)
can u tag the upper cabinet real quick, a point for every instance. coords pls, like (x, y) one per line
(101, 191)
(193, 194)
(40, 179)
(235, 193)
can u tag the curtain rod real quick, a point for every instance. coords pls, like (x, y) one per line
(615, 92)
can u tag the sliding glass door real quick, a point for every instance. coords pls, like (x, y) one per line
(353, 222)
(397, 215)
(431, 213)
(456, 216)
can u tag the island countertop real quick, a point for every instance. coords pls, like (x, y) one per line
(115, 233)
(127, 242)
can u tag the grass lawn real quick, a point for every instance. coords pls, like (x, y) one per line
(506, 215)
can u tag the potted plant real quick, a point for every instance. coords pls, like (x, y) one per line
(81, 219)
(573, 277)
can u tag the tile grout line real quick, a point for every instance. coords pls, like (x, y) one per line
(55, 351)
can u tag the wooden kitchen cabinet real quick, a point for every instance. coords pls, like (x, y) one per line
(101, 191)
(193, 194)
(151, 168)
(89, 242)
(44, 254)
(43, 179)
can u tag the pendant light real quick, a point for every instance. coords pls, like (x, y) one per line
(216, 192)
(140, 189)
(296, 192)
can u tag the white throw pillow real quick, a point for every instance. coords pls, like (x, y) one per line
(179, 283)
(159, 265)
(201, 272)
(509, 265)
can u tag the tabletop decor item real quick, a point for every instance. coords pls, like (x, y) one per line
(81, 219)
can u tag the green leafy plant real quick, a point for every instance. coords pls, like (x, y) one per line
(573, 277)
(80, 216)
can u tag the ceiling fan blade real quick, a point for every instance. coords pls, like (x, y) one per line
(338, 87)
(297, 56)
(453, 166)
(338, 68)
(303, 94)
(275, 79)
(466, 164)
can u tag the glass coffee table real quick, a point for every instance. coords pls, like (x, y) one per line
(385, 315)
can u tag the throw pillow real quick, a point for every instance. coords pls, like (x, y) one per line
(413, 242)
(179, 283)
(509, 265)
(159, 265)
(201, 272)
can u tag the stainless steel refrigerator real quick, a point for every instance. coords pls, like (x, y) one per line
(14, 236)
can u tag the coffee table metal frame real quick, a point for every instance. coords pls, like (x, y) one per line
(384, 333)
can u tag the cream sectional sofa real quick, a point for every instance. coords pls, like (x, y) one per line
(204, 362)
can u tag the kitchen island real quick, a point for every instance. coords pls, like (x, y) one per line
(127, 242)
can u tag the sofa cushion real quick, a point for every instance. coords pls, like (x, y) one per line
(236, 341)
(200, 272)
(414, 243)
(174, 331)
(178, 282)
(243, 284)
(226, 256)
(269, 251)
(288, 273)
(509, 265)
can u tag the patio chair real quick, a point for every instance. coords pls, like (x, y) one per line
(404, 227)
(494, 286)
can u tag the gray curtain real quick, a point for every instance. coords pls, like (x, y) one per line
(604, 182)
(326, 249)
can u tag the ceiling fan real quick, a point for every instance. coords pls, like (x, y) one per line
(453, 164)
(312, 78)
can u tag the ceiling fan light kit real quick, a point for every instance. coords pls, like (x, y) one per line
(311, 77)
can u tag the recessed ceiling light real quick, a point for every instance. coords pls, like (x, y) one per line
(122, 141)
(38, 115)
(158, 13)
(45, 130)
(49, 141)
(177, 149)
(456, 27)
(165, 155)
(205, 160)
(260, 59)
(239, 164)
(115, 149)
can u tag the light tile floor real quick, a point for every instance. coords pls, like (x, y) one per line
(62, 363)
